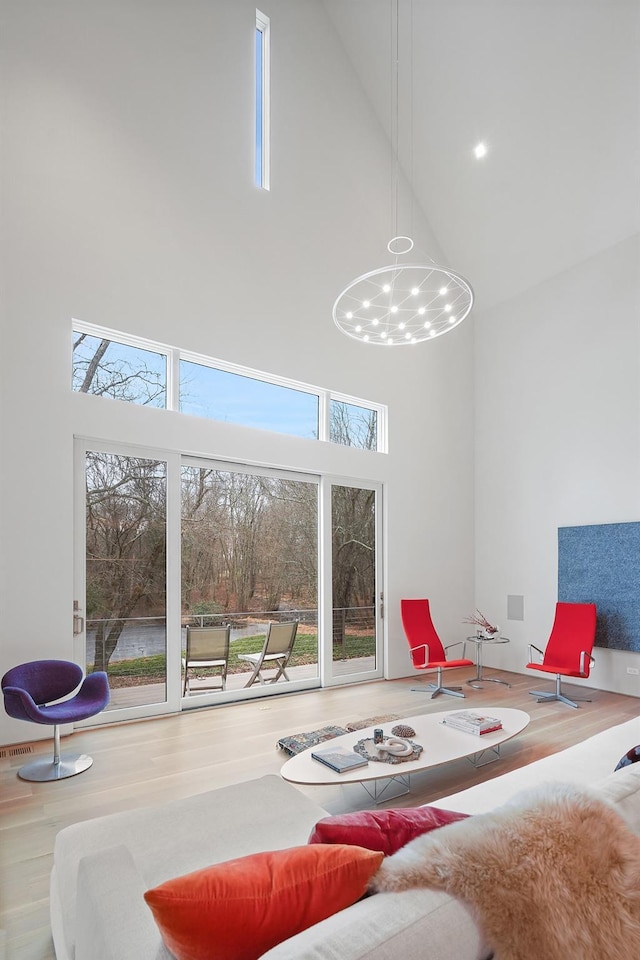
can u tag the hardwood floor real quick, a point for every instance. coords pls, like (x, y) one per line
(151, 761)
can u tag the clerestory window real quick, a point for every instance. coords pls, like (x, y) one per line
(112, 364)
(262, 100)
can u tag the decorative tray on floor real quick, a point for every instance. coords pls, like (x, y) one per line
(366, 748)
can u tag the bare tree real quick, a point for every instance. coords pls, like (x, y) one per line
(353, 542)
(109, 369)
(353, 426)
(126, 536)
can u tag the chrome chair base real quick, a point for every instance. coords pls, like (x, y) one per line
(557, 694)
(436, 690)
(542, 696)
(43, 770)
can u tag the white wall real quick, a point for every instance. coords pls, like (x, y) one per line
(557, 441)
(128, 201)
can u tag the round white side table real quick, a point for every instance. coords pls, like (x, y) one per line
(477, 681)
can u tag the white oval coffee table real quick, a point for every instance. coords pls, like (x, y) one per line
(441, 744)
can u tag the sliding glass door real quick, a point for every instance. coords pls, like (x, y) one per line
(120, 609)
(249, 558)
(356, 583)
(167, 543)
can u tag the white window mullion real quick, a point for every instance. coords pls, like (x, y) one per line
(173, 380)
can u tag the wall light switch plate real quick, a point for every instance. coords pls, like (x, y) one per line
(515, 607)
(633, 670)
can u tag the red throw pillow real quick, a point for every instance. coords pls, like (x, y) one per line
(382, 830)
(239, 909)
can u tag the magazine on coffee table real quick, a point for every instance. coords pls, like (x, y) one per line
(340, 759)
(472, 722)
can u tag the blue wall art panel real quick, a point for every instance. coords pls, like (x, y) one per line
(600, 564)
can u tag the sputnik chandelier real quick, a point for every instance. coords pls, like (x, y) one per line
(403, 303)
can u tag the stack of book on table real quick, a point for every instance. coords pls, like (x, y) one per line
(472, 722)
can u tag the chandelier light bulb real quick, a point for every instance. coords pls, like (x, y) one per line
(421, 310)
(366, 304)
(415, 291)
(386, 288)
(443, 291)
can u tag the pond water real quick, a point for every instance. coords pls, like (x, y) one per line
(143, 639)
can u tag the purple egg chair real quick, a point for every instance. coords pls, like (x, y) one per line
(34, 691)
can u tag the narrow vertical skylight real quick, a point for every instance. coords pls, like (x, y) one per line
(262, 101)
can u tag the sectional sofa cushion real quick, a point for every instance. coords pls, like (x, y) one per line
(622, 790)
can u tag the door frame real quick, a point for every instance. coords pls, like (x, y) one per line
(174, 702)
(171, 704)
(327, 676)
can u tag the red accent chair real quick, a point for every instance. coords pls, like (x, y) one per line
(568, 650)
(427, 651)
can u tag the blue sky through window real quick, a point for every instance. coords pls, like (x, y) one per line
(220, 395)
(259, 106)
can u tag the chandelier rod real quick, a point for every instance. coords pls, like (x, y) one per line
(394, 101)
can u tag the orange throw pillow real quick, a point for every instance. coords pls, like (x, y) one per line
(239, 909)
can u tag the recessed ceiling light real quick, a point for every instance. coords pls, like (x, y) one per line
(480, 151)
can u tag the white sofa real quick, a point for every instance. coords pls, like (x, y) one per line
(102, 867)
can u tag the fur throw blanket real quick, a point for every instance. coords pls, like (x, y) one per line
(552, 875)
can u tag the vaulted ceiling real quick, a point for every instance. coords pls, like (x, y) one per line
(552, 87)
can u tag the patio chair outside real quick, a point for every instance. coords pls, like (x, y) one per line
(276, 651)
(207, 647)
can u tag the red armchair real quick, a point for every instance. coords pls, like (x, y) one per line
(568, 650)
(426, 649)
